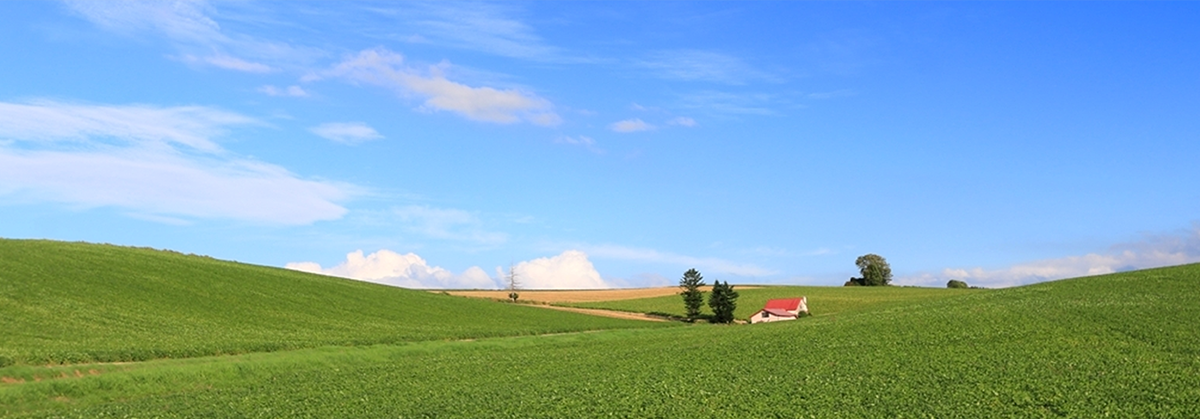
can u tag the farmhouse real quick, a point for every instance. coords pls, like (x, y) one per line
(780, 310)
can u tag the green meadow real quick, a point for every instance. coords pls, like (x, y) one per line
(1121, 345)
(77, 302)
(822, 301)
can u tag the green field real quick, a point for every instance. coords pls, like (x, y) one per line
(1122, 345)
(822, 301)
(76, 302)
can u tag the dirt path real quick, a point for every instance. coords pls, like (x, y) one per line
(606, 313)
(576, 296)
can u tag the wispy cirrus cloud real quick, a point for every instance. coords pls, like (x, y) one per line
(491, 28)
(446, 224)
(682, 121)
(655, 256)
(189, 26)
(349, 133)
(581, 141)
(727, 103)
(631, 125)
(155, 162)
(385, 68)
(705, 66)
(290, 91)
(1152, 251)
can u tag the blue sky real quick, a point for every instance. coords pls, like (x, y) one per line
(610, 144)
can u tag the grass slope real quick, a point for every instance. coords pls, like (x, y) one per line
(77, 302)
(1122, 345)
(822, 301)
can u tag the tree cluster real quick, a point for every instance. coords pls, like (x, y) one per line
(954, 283)
(722, 300)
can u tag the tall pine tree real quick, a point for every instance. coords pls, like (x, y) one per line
(692, 296)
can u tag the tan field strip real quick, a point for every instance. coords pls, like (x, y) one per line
(577, 296)
(607, 313)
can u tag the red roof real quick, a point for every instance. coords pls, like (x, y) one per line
(778, 312)
(789, 304)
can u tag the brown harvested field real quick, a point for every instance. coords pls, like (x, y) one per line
(577, 296)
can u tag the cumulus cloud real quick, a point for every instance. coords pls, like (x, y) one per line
(346, 132)
(655, 256)
(154, 162)
(290, 91)
(384, 68)
(631, 125)
(569, 270)
(400, 270)
(1151, 252)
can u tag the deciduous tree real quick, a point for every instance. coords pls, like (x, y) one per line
(874, 269)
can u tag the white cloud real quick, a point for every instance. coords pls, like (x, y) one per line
(47, 121)
(831, 95)
(717, 102)
(155, 162)
(188, 25)
(483, 27)
(382, 67)
(582, 141)
(1152, 252)
(650, 255)
(569, 270)
(401, 270)
(229, 63)
(346, 132)
(290, 91)
(630, 125)
(682, 121)
(447, 224)
(697, 65)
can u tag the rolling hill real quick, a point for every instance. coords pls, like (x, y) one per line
(1120, 345)
(78, 302)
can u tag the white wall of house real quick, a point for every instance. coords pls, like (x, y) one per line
(759, 318)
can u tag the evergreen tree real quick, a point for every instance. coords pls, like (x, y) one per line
(722, 301)
(692, 296)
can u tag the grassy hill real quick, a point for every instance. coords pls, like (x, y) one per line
(822, 301)
(78, 302)
(1121, 345)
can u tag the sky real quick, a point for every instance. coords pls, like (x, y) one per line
(598, 144)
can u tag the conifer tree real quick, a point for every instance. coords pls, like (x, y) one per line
(692, 296)
(722, 301)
